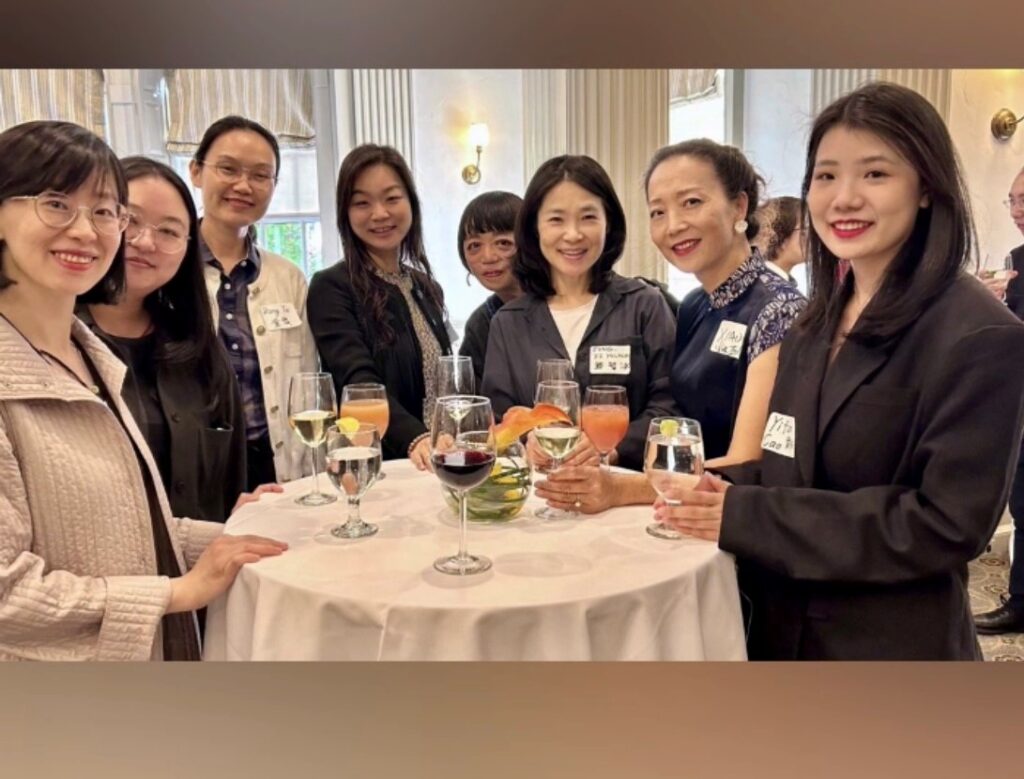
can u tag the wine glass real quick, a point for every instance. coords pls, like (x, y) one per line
(463, 456)
(674, 447)
(311, 405)
(367, 402)
(555, 369)
(557, 439)
(353, 465)
(605, 417)
(455, 376)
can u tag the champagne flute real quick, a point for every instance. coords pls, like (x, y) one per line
(463, 457)
(367, 402)
(557, 439)
(353, 465)
(674, 447)
(605, 417)
(311, 405)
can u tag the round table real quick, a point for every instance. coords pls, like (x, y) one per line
(593, 588)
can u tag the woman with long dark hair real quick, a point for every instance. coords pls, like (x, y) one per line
(179, 386)
(93, 565)
(896, 413)
(378, 315)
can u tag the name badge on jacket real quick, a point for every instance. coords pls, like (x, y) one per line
(280, 316)
(609, 359)
(729, 339)
(780, 435)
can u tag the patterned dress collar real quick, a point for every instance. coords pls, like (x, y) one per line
(739, 282)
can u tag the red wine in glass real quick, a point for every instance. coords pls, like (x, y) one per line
(463, 469)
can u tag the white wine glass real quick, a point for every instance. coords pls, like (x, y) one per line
(311, 412)
(558, 439)
(555, 369)
(675, 450)
(455, 376)
(353, 465)
(463, 456)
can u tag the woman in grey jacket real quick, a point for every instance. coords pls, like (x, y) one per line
(570, 234)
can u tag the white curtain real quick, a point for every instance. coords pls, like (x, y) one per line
(68, 95)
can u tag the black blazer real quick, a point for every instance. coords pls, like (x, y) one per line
(207, 434)
(903, 462)
(1015, 289)
(351, 349)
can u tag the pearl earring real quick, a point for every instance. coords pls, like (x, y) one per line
(741, 226)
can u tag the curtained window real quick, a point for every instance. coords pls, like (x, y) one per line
(692, 84)
(68, 95)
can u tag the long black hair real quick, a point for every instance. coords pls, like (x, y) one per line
(368, 286)
(61, 156)
(180, 309)
(942, 240)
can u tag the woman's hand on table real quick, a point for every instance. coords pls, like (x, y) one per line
(420, 455)
(585, 488)
(699, 513)
(252, 497)
(216, 568)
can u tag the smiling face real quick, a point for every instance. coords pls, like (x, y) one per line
(380, 212)
(571, 230)
(489, 257)
(243, 202)
(692, 219)
(155, 207)
(1016, 198)
(864, 197)
(66, 261)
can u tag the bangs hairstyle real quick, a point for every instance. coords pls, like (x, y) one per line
(733, 171)
(180, 309)
(367, 284)
(491, 212)
(531, 268)
(36, 157)
(942, 240)
(229, 124)
(779, 217)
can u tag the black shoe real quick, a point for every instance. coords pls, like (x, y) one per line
(1005, 619)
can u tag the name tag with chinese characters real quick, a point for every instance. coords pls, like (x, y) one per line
(780, 435)
(280, 316)
(729, 339)
(609, 359)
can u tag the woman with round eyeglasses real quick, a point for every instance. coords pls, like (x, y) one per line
(258, 297)
(179, 385)
(93, 564)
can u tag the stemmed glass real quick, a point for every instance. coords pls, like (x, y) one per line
(311, 405)
(674, 447)
(463, 456)
(368, 403)
(605, 417)
(353, 465)
(455, 376)
(557, 439)
(555, 369)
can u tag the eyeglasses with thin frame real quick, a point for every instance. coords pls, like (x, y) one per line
(231, 173)
(167, 237)
(1014, 202)
(58, 211)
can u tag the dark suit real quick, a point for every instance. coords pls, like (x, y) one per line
(903, 459)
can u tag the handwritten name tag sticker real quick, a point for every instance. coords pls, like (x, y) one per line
(780, 435)
(280, 316)
(609, 359)
(729, 339)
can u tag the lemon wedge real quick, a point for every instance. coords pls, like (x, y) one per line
(348, 424)
(668, 428)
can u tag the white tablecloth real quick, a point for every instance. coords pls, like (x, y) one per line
(594, 588)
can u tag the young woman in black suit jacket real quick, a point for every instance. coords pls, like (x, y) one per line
(378, 315)
(896, 413)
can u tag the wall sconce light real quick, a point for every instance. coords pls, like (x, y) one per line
(478, 137)
(1004, 123)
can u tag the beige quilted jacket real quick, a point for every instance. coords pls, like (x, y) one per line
(78, 574)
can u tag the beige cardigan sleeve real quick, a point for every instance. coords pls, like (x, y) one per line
(56, 615)
(194, 535)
